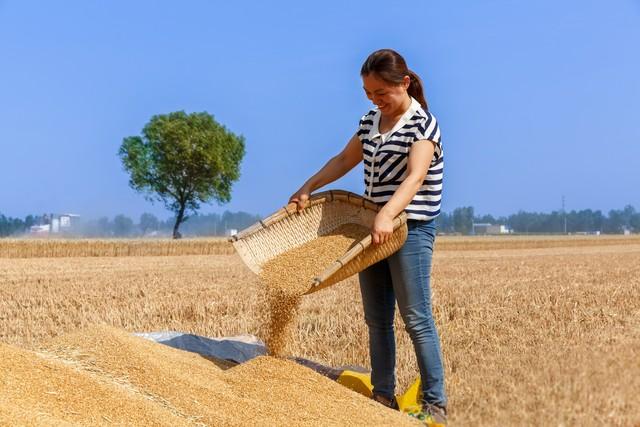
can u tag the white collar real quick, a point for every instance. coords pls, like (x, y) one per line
(375, 130)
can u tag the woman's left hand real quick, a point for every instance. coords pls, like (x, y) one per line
(382, 228)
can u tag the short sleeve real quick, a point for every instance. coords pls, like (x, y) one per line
(427, 128)
(364, 126)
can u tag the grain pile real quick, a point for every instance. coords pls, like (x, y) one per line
(288, 276)
(39, 389)
(105, 376)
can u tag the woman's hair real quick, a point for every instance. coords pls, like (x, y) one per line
(391, 67)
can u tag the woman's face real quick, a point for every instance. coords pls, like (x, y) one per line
(389, 98)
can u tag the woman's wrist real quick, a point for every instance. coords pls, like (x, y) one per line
(385, 212)
(308, 187)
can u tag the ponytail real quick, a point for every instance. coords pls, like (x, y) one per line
(415, 89)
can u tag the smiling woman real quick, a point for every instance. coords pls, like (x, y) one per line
(376, 84)
(399, 144)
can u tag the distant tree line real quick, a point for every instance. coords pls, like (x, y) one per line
(10, 226)
(147, 225)
(460, 220)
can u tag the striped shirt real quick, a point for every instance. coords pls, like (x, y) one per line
(386, 158)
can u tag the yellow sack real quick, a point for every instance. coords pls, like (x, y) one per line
(360, 382)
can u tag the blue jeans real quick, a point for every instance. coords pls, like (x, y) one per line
(404, 276)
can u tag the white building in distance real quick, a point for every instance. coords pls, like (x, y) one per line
(490, 229)
(54, 224)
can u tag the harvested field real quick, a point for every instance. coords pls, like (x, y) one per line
(536, 335)
(481, 243)
(56, 248)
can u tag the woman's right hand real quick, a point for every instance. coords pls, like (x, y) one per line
(300, 197)
(335, 168)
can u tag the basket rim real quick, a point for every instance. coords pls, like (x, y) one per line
(314, 199)
(318, 198)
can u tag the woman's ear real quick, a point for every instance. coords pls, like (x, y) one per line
(406, 82)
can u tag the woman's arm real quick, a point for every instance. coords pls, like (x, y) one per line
(334, 169)
(418, 163)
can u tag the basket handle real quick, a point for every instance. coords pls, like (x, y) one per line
(356, 250)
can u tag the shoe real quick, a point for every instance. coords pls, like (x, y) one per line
(432, 415)
(389, 403)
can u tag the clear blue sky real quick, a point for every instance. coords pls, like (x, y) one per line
(535, 99)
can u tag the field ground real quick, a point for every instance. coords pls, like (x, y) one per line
(535, 331)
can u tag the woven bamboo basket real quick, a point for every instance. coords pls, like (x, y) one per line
(287, 229)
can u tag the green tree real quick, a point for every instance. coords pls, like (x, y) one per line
(444, 223)
(627, 215)
(463, 220)
(104, 226)
(615, 222)
(122, 226)
(9, 226)
(486, 219)
(183, 160)
(148, 222)
(29, 220)
(635, 222)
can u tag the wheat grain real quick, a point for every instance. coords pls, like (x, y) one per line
(288, 276)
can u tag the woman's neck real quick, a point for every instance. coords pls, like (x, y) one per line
(387, 121)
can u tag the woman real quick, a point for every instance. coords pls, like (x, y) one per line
(399, 142)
